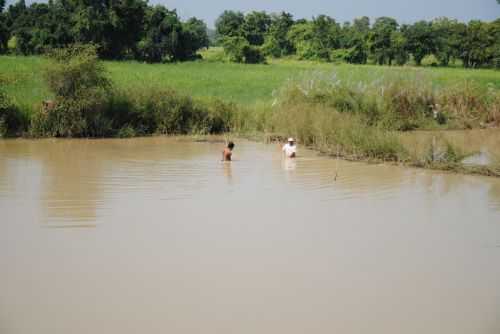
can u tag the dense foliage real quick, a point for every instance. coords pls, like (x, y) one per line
(476, 44)
(12, 121)
(132, 29)
(121, 29)
(87, 105)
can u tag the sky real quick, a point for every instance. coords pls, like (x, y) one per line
(405, 11)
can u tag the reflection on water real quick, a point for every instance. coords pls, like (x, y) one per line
(289, 164)
(156, 235)
(484, 144)
(227, 168)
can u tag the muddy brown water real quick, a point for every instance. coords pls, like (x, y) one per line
(154, 235)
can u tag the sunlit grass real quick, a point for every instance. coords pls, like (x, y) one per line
(240, 83)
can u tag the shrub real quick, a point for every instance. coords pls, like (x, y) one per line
(253, 55)
(126, 132)
(164, 111)
(354, 55)
(430, 60)
(80, 86)
(219, 116)
(86, 105)
(340, 55)
(240, 51)
(12, 120)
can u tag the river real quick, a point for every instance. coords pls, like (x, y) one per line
(155, 235)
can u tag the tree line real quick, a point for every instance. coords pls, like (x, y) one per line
(132, 29)
(249, 38)
(122, 29)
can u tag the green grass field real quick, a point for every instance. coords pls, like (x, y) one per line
(243, 84)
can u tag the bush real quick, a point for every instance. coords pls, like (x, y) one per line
(12, 120)
(164, 111)
(81, 87)
(430, 60)
(240, 51)
(219, 116)
(86, 105)
(339, 55)
(126, 132)
(253, 55)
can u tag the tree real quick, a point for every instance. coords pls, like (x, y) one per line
(362, 25)
(478, 44)
(229, 23)
(255, 27)
(421, 40)
(240, 51)
(160, 39)
(241, 36)
(276, 42)
(127, 23)
(494, 49)
(326, 36)
(353, 41)
(315, 39)
(380, 40)
(300, 35)
(14, 12)
(448, 39)
(32, 29)
(40, 26)
(4, 30)
(358, 52)
(118, 28)
(399, 47)
(115, 26)
(194, 36)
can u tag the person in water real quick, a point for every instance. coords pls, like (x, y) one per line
(290, 149)
(228, 152)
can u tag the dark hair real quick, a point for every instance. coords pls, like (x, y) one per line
(230, 145)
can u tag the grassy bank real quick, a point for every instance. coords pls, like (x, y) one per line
(356, 112)
(359, 121)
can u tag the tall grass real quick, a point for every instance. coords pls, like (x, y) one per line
(363, 121)
(337, 133)
(396, 102)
